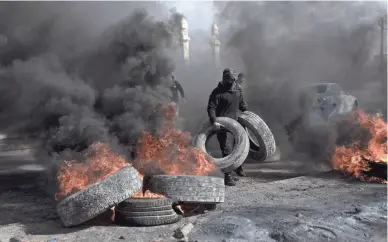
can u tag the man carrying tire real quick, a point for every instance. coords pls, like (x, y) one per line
(225, 101)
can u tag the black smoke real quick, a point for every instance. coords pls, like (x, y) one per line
(282, 45)
(69, 79)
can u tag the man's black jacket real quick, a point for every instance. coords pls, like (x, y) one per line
(225, 102)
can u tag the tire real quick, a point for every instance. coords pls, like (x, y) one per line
(147, 220)
(149, 209)
(166, 212)
(95, 199)
(240, 150)
(190, 189)
(211, 207)
(140, 203)
(276, 157)
(262, 133)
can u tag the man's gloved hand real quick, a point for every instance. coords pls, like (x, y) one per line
(184, 100)
(217, 125)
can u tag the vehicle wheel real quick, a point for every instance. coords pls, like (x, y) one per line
(189, 189)
(240, 150)
(95, 199)
(263, 145)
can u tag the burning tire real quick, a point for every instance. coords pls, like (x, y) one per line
(262, 141)
(98, 197)
(240, 150)
(144, 204)
(190, 189)
(146, 212)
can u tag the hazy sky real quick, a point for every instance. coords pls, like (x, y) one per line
(198, 13)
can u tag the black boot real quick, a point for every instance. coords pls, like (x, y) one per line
(240, 172)
(229, 181)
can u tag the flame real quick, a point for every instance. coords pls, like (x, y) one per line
(112, 217)
(99, 162)
(179, 207)
(171, 153)
(146, 194)
(355, 159)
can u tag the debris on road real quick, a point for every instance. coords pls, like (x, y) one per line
(183, 231)
(17, 239)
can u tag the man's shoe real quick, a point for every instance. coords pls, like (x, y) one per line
(240, 172)
(229, 181)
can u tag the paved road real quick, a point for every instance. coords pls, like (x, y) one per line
(283, 201)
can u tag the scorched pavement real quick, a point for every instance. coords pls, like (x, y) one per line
(266, 206)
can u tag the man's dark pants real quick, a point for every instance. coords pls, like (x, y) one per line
(226, 141)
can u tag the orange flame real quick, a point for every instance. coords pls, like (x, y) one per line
(99, 163)
(354, 160)
(146, 194)
(171, 152)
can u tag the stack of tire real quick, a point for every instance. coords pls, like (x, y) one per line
(118, 188)
(176, 189)
(258, 144)
(146, 212)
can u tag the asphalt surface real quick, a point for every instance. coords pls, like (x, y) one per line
(282, 201)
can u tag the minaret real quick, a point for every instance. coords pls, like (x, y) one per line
(185, 40)
(215, 45)
(383, 40)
